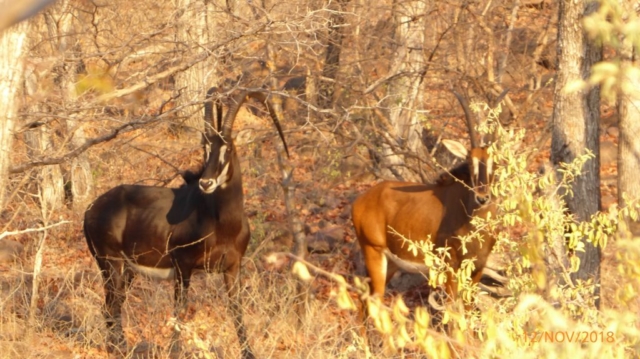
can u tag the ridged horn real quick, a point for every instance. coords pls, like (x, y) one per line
(209, 121)
(234, 106)
(500, 98)
(262, 97)
(467, 115)
(433, 302)
(495, 103)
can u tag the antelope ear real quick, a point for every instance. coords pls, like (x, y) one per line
(456, 148)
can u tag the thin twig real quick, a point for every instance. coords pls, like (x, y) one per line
(29, 230)
(180, 68)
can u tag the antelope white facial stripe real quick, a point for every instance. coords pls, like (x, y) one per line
(223, 150)
(476, 165)
(489, 166)
(207, 152)
(221, 181)
(222, 178)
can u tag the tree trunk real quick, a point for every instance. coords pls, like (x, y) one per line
(192, 32)
(49, 178)
(628, 144)
(40, 143)
(575, 125)
(404, 97)
(13, 46)
(464, 32)
(60, 25)
(332, 57)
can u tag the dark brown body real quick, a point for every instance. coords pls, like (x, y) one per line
(168, 233)
(126, 220)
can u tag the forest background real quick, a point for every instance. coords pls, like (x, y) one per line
(99, 93)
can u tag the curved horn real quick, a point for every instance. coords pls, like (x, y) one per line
(208, 112)
(262, 97)
(234, 107)
(494, 275)
(495, 292)
(494, 104)
(500, 98)
(433, 302)
(467, 115)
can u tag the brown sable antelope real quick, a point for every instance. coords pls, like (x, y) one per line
(439, 212)
(167, 233)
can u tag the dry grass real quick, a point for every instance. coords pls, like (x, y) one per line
(69, 321)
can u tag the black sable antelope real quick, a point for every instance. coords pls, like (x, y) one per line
(168, 233)
(440, 213)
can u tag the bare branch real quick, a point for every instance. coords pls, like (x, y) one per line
(29, 230)
(179, 68)
(127, 127)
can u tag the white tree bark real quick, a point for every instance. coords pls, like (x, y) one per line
(404, 98)
(192, 33)
(49, 180)
(13, 44)
(57, 24)
(39, 140)
(80, 171)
